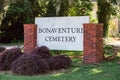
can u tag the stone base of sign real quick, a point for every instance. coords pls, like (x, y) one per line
(30, 37)
(93, 43)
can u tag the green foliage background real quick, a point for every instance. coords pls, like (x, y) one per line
(15, 13)
(106, 9)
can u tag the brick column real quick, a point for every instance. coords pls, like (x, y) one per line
(93, 43)
(30, 37)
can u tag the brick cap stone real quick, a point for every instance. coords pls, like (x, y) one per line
(27, 25)
(93, 24)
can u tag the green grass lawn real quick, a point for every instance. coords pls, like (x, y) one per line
(108, 70)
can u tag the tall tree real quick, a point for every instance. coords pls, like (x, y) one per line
(105, 10)
(24, 11)
(57, 8)
(19, 12)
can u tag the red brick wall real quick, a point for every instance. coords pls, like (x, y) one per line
(93, 43)
(30, 37)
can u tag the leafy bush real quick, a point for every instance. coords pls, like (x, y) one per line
(42, 51)
(110, 52)
(59, 62)
(18, 13)
(31, 64)
(80, 8)
(8, 57)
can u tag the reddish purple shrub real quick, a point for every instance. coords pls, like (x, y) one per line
(2, 49)
(59, 62)
(52, 63)
(31, 64)
(42, 51)
(8, 57)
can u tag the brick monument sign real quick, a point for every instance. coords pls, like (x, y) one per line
(66, 33)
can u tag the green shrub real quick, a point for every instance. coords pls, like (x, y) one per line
(18, 13)
(80, 8)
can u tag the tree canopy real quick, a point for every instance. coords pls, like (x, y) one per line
(15, 13)
(19, 12)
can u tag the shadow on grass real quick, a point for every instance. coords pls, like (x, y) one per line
(107, 70)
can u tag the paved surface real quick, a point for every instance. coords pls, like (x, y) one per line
(9, 47)
(109, 41)
(113, 41)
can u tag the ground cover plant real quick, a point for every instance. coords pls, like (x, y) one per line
(43, 51)
(59, 62)
(30, 64)
(39, 61)
(108, 70)
(2, 49)
(8, 56)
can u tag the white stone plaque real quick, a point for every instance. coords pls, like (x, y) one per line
(61, 33)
